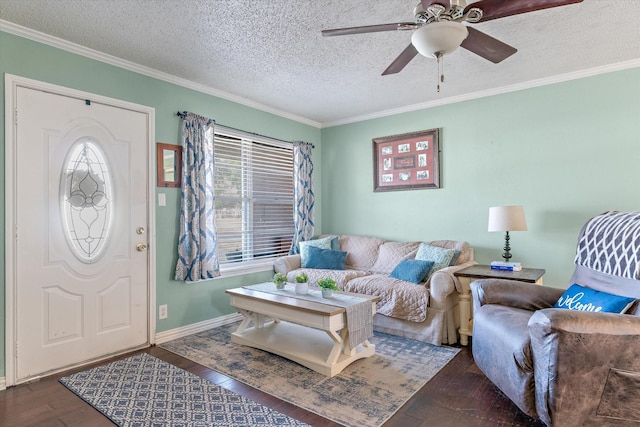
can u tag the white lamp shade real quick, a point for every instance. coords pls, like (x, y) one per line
(440, 36)
(507, 218)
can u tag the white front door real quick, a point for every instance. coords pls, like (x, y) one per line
(81, 206)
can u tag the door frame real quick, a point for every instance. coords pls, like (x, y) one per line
(11, 85)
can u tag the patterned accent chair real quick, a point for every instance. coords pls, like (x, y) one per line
(567, 367)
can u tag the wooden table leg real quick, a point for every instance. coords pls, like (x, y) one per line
(466, 319)
(338, 346)
(246, 320)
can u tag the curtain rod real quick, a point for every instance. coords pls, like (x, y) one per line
(183, 114)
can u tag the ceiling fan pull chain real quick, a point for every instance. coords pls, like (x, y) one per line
(440, 66)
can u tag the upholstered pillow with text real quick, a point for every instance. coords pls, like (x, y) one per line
(584, 299)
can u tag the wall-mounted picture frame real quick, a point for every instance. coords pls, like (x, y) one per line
(169, 165)
(410, 161)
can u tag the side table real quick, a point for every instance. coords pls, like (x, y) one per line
(467, 275)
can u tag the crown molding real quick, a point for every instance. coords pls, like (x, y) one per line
(491, 92)
(65, 45)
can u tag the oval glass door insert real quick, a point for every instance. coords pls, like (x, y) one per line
(87, 195)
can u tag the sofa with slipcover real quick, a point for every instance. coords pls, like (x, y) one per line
(415, 303)
(569, 357)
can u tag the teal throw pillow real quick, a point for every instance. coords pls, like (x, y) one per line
(454, 259)
(441, 257)
(324, 259)
(412, 270)
(584, 299)
(324, 243)
(335, 243)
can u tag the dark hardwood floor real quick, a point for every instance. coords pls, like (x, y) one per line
(459, 395)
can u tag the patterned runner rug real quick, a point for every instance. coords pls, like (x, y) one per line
(145, 391)
(365, 394)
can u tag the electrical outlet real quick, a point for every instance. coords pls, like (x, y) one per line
(162, 311)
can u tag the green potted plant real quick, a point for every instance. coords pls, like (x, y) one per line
(279, 280)
(327, 285)
(302, 287)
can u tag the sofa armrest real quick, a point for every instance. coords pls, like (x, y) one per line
(513, 293)
(586, 366)
(443, 282)
(287, 263)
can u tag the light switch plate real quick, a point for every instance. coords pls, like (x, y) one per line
(162, 199)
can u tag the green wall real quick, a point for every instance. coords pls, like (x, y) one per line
(187, 303)
(566, 152)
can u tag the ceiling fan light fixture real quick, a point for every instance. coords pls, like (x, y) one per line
(439, 37)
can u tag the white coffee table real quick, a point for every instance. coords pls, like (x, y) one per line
(313, 334)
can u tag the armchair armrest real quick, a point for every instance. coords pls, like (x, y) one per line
(586, 366)
(287, 263)
(514, 294)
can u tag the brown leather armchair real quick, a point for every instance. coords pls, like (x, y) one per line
(567, 367)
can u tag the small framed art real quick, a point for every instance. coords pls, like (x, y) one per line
(409, 161)
(169, 164)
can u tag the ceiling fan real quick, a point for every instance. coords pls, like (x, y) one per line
(439, 28)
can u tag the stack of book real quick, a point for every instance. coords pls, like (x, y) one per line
(507, 266)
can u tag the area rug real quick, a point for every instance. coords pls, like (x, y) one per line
(366, 393)
(145, 391)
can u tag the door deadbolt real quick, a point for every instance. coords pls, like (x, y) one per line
(140, 230)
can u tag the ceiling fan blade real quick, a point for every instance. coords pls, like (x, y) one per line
(494, 9)
(370, 29)
(401, 61)
(486, 46)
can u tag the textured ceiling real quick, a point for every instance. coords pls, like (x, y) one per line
(271, 52)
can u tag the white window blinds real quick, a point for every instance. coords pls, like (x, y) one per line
(253, 197)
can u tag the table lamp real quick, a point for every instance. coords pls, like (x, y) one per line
(507, 218)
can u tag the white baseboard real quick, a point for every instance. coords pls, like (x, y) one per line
(194, 328)
(3, 383)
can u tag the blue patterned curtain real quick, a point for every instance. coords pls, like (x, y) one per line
(197, 246)
(302, 194)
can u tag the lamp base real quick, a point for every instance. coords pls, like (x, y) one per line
(507, 254)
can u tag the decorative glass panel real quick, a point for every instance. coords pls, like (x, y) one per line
(87, 200)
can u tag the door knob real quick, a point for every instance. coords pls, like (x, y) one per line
(141, 246)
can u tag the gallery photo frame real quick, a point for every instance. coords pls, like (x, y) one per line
(409, 161)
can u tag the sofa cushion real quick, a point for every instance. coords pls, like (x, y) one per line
(362, 251)
(584, 299)
(441, 257)
(323, 243)
(314, 274)
(324, 258)
(391, 253)
(412, 270)
(398, 298)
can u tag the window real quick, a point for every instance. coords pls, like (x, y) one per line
(253, 197)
